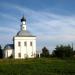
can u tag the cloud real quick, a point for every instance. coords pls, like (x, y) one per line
(7, 29)
(47, 26)
(7, 16)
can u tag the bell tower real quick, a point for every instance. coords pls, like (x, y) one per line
(23, 23)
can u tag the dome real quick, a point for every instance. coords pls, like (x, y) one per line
(24, 33)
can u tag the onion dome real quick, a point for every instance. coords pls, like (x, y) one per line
(23, 19)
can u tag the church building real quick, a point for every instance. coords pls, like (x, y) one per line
(24, 44)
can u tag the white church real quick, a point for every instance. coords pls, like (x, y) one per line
(24, 44)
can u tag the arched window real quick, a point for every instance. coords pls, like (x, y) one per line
(25, 43)
(30, 43)
(19, 43)
(19, 54)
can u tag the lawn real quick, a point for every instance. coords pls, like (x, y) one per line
(42, 66)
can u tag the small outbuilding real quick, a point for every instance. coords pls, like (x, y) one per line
(8, 51)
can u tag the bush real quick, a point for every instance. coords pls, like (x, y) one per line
(45, 52)
(63, 51)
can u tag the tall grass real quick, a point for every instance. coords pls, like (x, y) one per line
(42, 66)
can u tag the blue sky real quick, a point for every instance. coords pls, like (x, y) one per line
(52, 21)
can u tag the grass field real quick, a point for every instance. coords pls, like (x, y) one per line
(42, 66)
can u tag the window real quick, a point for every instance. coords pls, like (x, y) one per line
(25, 43)
(30, 43)
(19, 43)
(19, 54)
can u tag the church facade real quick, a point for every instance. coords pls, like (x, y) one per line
(24, 44)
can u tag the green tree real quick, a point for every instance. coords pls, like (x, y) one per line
(63, 51)
(1, 52)
(45, 52)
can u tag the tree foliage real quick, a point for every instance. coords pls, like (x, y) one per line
(1, 52)
(63, 51)
(45, 52)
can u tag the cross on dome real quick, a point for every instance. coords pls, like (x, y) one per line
(23, 19)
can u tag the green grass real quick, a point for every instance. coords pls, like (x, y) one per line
(42, 66)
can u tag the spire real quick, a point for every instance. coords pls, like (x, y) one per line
(23, 23)
(23, 18)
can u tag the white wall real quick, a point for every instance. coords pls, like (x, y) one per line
(26, 51)
(8, 53)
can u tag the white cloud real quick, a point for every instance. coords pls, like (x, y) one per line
(7, 16)
(57, 37)
(7, 29)
(46, 25)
